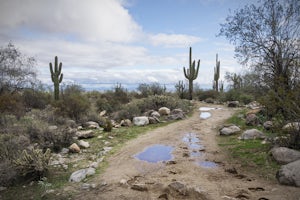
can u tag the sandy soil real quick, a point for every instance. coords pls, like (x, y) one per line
(129, 178)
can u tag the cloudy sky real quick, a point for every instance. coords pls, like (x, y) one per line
(120, 41)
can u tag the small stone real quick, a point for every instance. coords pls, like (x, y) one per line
(139, 187)
(164, 111)
(252, 134)
(83, 144)
(94, 165)
(85, 134)
(74, 148)
(64, 151)
(123, 182)
(171, 162)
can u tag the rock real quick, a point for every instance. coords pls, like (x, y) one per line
(139, 187)
(140, 121)
(2, 188)
(78, 176)
(74, 148)
(164, 111)
(71, 123)
(94, 165)
(126, 122)
(64, 151)
(155, 114)
(230, 130)
(91, 125)
(83, 144)
(233, 104)
(178, 187)
(85, 134)
(209, 100)
(285, 155)
(291, 126)
(81, 174)
(268, 125)
(87, 186)
(252, 120)
(252, 134)
(254, 105)
(178, 116)
(52, 128)
(254, 111)
(102, 113)
(289, 174)
(153, 120)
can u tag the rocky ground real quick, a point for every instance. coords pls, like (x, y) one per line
(197, 170)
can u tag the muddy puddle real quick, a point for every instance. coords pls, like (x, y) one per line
(156, 153)
(208, 108)
(205, 115)
(196, 151)
(207, 164)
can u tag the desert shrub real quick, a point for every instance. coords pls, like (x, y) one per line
(237, 95)
(73, 103)
(128, 111)
(36, 99)
(104, 104)
(146, 90)
(10, 148)
(33, 162)
(12, 103)
(202, 95)
(107, 125)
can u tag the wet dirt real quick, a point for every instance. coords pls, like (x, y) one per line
(127, 178)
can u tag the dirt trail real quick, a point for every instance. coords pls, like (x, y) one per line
(129, 178)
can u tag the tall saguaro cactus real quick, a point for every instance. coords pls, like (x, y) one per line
(217, 74)
(56, 76)
(191, 73)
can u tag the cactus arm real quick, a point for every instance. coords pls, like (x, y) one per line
(60, 78)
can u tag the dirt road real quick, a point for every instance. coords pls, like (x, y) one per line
(198, 170)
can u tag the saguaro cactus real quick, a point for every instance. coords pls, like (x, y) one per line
(56, 77)
(191, 74)
(217, 74)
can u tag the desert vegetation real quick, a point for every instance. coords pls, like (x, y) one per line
(37, 122)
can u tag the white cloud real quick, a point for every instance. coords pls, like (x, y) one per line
(173, 40)
(91, 20)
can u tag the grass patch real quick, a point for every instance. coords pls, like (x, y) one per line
(252, 155)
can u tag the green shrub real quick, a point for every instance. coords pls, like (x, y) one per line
(36, 99)
(202, 95)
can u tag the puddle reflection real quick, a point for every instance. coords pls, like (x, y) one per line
(156, 153)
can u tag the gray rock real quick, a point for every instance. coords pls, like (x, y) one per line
(91, 125)
(178, 116)
(87, 186)
(81, 174)
(85, 134)
(155, 114)
(254, 105)
(178, 187)
(83, 144)
(230, 130)
(164, 111)
(52, 128)
(140, 121)
(291, 126)
(153, 120)
(252, 134)
(289, 174)
(233, 104)
(268, 125)
(64, 151)
(285, 155)
(126, 122)
(252, 120)
(78, 176)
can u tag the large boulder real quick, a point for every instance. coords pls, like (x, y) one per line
(153, 120)
(254, 105)
(85, 134)
(230, 130)
(285, 155)
(252, 134)
(164, 111)
(140, 121)
(289, 174)
(176, 114)
(252, 120)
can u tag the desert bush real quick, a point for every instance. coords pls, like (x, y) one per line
(107, 125)
(202, 95)
(36, 99)
(12, 103)
(146, 90)
(33, 162)
(103, 103)
(72, 103)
